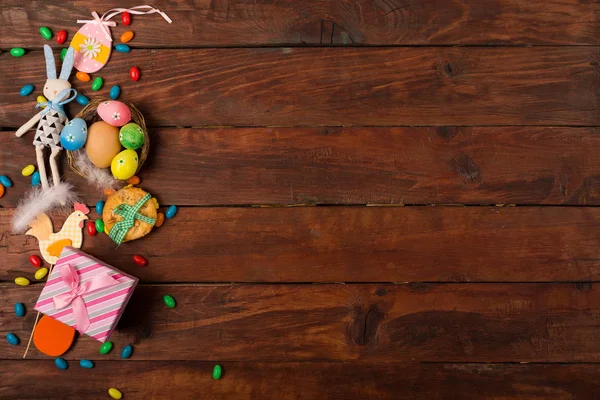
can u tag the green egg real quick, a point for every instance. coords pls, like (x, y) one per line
(131, 136)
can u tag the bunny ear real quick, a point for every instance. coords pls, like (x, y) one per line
(67, 66)
(50, 67)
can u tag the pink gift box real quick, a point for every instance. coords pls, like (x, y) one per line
(86, 293)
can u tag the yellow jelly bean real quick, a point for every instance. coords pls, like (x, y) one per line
(114, 393)
(155, 203)
(28, 170)
(22, 281)
(42, 99)
(41, 273)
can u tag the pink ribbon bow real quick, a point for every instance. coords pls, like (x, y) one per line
(101, 22)
(71, 279)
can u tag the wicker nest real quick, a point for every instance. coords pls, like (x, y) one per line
(89, 115)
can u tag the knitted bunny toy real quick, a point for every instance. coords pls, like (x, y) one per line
(52, 118)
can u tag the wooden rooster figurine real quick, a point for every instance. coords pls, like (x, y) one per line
(51, 244)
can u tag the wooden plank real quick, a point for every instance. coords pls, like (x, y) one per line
(484, 165)
(405, 244)
(282, 381)
(313, 22)
(343, 322)
(339, 87)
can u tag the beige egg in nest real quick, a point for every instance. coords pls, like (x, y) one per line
(129, 195)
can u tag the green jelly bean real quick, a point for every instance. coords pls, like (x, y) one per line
(217, 371)
(99, 226)
(169, 301)
(46, 33)
(63, 54)
(106, 347)
(97, 84)
(17, 51)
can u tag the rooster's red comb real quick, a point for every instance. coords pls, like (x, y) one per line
(81, 207)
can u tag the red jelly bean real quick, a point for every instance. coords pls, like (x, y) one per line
(61, 36)
(139, 260)
(134, 73)
(35, 261)
(126, 18)
(91, 228)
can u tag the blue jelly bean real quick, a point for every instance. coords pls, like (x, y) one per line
(19, 309)
(5, 181)
(171, 211)
(122, 48)
(61, 363)
(12, 338)
(86, 364)
(99, 207)
(35, 179)
(26, 90)
(114, 93)
(81, 99)
(126, 352)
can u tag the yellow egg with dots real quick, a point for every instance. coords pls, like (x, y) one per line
(124, 165)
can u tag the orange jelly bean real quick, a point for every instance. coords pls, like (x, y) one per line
(160, 219)
(109, 192)
(82, 76)
(126, 37)
(1, 190)
(134, 180)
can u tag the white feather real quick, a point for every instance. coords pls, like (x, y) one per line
(38, 200)
(98, 177)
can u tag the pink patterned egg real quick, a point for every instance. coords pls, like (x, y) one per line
(92, 46)
(114, 113)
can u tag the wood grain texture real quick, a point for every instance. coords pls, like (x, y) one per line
(369, 244)
(319, 22)
(445, 165)
(339, 87)
(343, 322)
(287, 381)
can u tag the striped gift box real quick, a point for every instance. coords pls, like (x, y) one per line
(104, 306)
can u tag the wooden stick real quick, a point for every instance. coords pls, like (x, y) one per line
(36, 320)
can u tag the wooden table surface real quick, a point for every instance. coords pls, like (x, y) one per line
(378, 199)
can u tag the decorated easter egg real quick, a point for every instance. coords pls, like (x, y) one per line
(131, 136)
(114, 113)
(102, 144)
(74, 134)
(92, 46)
(124, 164)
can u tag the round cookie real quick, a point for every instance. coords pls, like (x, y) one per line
(129, 195)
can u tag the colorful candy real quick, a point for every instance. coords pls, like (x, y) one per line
(139, 260)
(134, 73)
(126, 18)
(86, 364)
(26, 90)
(45, 32)
(99, 207)
(134, 180)
(217, 371)
(61, 36)
(99, 226)
(83, 76)
(160, 219)
(35, 261)
(126, 36)
(109, 192)
(17, 52)
(122, 48)
(81, 99)
(35, 179)
(106, 347)
(28, 170)
(41, 273)
(91, 228)
(171, 211)
(97, 83)
(126, 352)
(5, 181)
(41, 100)
(115, 393)
(22, 281)
(63, 54)
(1, 191)
(169, 301)
(61, 363)
(11, 338)
(114, 93)
(20, 309)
